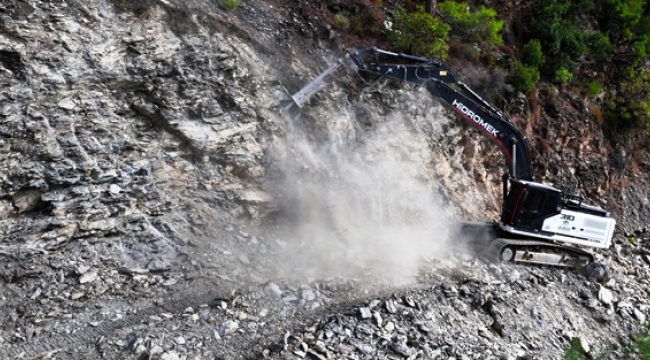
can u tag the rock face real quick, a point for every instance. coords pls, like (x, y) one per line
(155, 202)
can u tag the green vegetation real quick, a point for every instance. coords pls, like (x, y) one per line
(480, 26)
(575, 351)
(230, 4)
(525, 78)
(419, 33)
(563, 76)
(642, 343)
(610, 38)
(628, 107)
(532, 54)
(594, 89)
(342, 21)
(599, 46)
(638, 348)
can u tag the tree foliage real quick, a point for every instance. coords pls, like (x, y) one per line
(627, 22)
(419, 33)
(563, 76)
(594, 89)
(600, 46)
(629, 106)
(561, 27)
(230, 4)
(532, 54)
(481, 26)
(525, 77)
(606, 37)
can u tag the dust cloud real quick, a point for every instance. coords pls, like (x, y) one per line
(359, 202)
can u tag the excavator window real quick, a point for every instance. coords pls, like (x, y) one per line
(528, 205)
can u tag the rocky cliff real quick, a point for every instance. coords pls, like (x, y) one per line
(157, 203)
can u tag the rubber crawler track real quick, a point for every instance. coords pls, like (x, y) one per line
(493, 251)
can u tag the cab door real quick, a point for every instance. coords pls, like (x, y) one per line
(527, 206)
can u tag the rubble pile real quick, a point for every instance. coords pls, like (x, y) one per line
(141, 212)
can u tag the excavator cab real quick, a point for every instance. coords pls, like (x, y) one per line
(528, 204)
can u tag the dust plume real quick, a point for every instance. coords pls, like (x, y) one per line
(360, 202)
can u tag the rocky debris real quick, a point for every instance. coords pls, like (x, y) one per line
(484, 316)
(135, 146)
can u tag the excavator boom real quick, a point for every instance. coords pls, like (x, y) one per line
(438, 80)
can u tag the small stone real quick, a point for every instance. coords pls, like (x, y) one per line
(605, 295)
(108, 175)
(623, 304)
(409, 301)
(639, 315)
(88, 277)
(378, 318)
(423, 328)
(316, 355)
(497, 326)
(390, 306)
(290, 298)
(114, 189)
(133, 271)
(36, 293)
(401, 348)
(592, 303)
(308, 295)
(484, 333)
(82, 269)
(596, 271)
(584, 344)
(140, 349)
(308, 338)
(228, 327)
(67, 104)
(26, 200)
(364, 348)
(179, 340)
(172, 355)
(274, 288)
(157, 265)
(604, 318)
(514, 276)
(244, 259)
(155, 351)
(365, 313)
(320, 347)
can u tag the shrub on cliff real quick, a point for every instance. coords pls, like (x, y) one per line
(419, 33)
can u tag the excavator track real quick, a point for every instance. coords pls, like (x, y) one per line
(536, 252)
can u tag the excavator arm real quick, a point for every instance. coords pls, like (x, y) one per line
(443, 84)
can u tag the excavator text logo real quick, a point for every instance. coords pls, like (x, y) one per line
(477, 119)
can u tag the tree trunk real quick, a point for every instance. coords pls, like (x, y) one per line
(430, 6)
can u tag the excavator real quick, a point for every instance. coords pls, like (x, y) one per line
(539, 224)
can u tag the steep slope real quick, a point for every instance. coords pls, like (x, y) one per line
(156, 203)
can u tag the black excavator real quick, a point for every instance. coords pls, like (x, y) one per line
(539, 224)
